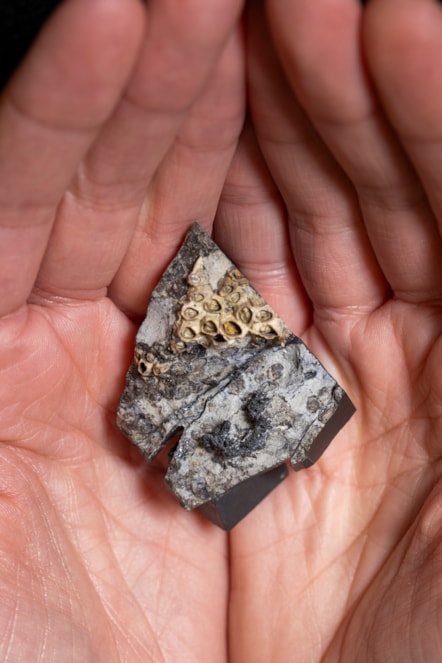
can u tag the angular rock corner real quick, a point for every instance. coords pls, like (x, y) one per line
(214, 362)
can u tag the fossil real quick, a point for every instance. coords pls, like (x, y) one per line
(215, 364)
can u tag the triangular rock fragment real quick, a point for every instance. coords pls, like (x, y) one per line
(212, 360)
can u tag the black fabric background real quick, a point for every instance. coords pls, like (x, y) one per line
(20, 21)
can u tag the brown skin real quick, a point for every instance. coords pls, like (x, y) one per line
(113, 138)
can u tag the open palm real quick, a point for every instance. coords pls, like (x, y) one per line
(116, 133)
(344, 563)
(108, 152)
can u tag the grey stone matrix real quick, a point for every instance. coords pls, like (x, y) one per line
(212, 360)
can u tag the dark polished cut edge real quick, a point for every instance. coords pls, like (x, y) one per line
(227, 510)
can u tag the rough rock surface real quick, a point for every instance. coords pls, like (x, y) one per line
(212, 360)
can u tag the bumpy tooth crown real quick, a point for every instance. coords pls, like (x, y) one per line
(235, 310)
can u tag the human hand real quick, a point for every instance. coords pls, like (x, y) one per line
(343, 561)
(115, 133)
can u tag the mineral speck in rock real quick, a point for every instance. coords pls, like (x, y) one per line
(212, 359)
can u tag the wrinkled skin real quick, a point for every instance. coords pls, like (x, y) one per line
(121, 127)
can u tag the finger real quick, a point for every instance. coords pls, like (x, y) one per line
(97, 220)
(188, 184)
(331, 248)
(49, 115)
(403, 45)
(251, 227)
(340, 103)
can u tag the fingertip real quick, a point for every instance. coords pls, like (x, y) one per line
(20, 22)
(402, 44)
(79, 62)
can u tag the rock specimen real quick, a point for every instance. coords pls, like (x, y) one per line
(216, 364)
